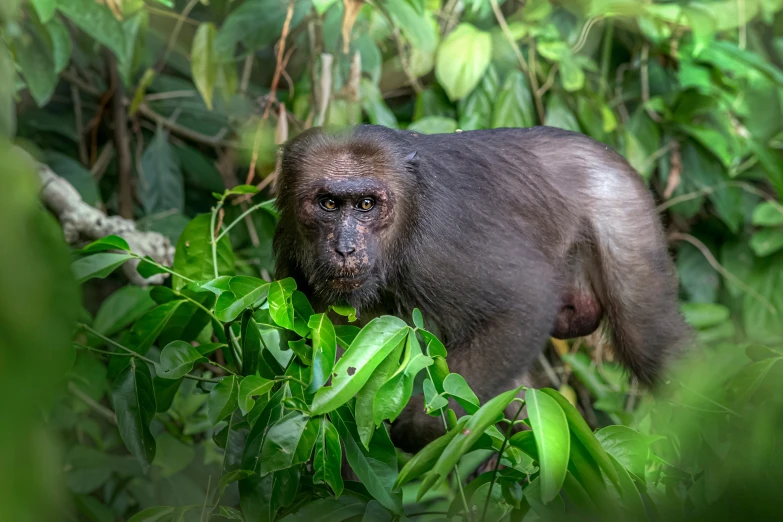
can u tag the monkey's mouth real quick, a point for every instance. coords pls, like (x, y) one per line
(348, 282)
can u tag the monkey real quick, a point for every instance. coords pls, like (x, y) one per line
(502, 238)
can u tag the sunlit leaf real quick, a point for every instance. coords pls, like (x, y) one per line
(97, 265)
(462, 59)
(177, 359)
(251, 386)
(204, 62)
(550, 427)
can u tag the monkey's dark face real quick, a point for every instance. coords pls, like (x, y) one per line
(343, 220)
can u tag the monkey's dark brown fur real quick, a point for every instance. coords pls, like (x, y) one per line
(501, 237)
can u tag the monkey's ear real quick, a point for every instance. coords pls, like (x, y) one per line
(412, 158)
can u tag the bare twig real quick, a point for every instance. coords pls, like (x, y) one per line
(679, 236)
(77, 114)
(175, 34)
(325, 91)
(96, 406)
(215, 141)
(507, 33)
(550, 79)
(121, 141)
(169, 95)
(674, 172)
(247, 68)
(280, 54)
(102, 163)
(747, 187)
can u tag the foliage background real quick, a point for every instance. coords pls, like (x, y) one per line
(148, 107)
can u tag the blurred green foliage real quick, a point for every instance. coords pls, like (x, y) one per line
(148, 107)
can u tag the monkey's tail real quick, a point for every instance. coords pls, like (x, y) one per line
(638, 287)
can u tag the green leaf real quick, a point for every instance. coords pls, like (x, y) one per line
(550, 427)
(106, 243)
(193, 255)
(434, 125)
(345, 334)
(582, 431)
(768, 214)
(373, 104)
(271, 413)
(252, 347)
(425, 459)
(416, 28)
(572, 77)
(153, 514)
(376, 468)
(631, 498)
(418, 320)
(222, 399)
(172, 455)
(243, 189)
(230, 477)
(161, 185)
(559, 114)
(245, 291)
(44, 8)
(149, 326)
(177, 360)
(324, 350)
(628, 446)
(514, 104)
(251, 386)
(217, 286)
(36, 63)
(133, 399)
(433, 346)
(61, 44)
(97, 266)
(328, 458)
(704, 315)
(363, 407)
(395, 393)
(345, 311)
(328, 510)
(767, 241)
(262, 497)
(486, 416)
(373, 344)
(288, 442)
(204, 62)
(462, 59)
(434, 402)
(122, 308)
(456, 386)
(97, 21)
(147, 268)
(280, 307)
(165, 391)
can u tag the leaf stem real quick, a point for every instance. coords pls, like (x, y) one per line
(133, 354)
(238, 219)
(497, 463)
(213, 235)
(162, 267)
(207, 310)
(96, 350)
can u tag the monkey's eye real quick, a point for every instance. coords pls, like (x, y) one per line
(366, 204)
(328, 204)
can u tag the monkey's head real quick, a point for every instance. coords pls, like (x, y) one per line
(345, 202)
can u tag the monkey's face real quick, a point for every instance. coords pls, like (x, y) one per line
(344, 221)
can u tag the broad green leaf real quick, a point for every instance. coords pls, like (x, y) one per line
(414, 26)
(280, 307)
(204, 62)
(376, 468)
(434, 402)
(766, 278)
(767, 241)
(106, 243)
(193, 255)
(434, 125)
(36, 62)
(486, 416)
(153, 514)
(363, 407)
(328, 510)
(375, 512)
(345, 334)
(373, 344)
(418, 320)
(628, 446)
(161, 185)
(122, 308)
(514, 104)
(462, 59)
(149, 326)
(425, 459)
(704, 315)
(252, 347)
(44, 8)
(245, 291)
(572, 77)
(768, 214)
(61, 44)
(231, 477)
(172, 455)
(456, 386)
(302, 313)
(582, 431)
(223, 399)
(261, 498)
(177, 360)
(97, 265)
(133, 399)
(165, 392)
(327, 461)
(217, 286)
(288, 442)
(373, 104)
(271, 413)
(550, 427)
(324, 350)
(631, 499)
(97, 21)
(432, 345)
(345, 311)
(251, 386)
(559, 114)
(395, 393)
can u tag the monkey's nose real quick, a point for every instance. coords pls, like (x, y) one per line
(345, 250)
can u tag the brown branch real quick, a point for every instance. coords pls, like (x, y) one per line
(121, 142)
(280, 54)
(507, 33)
